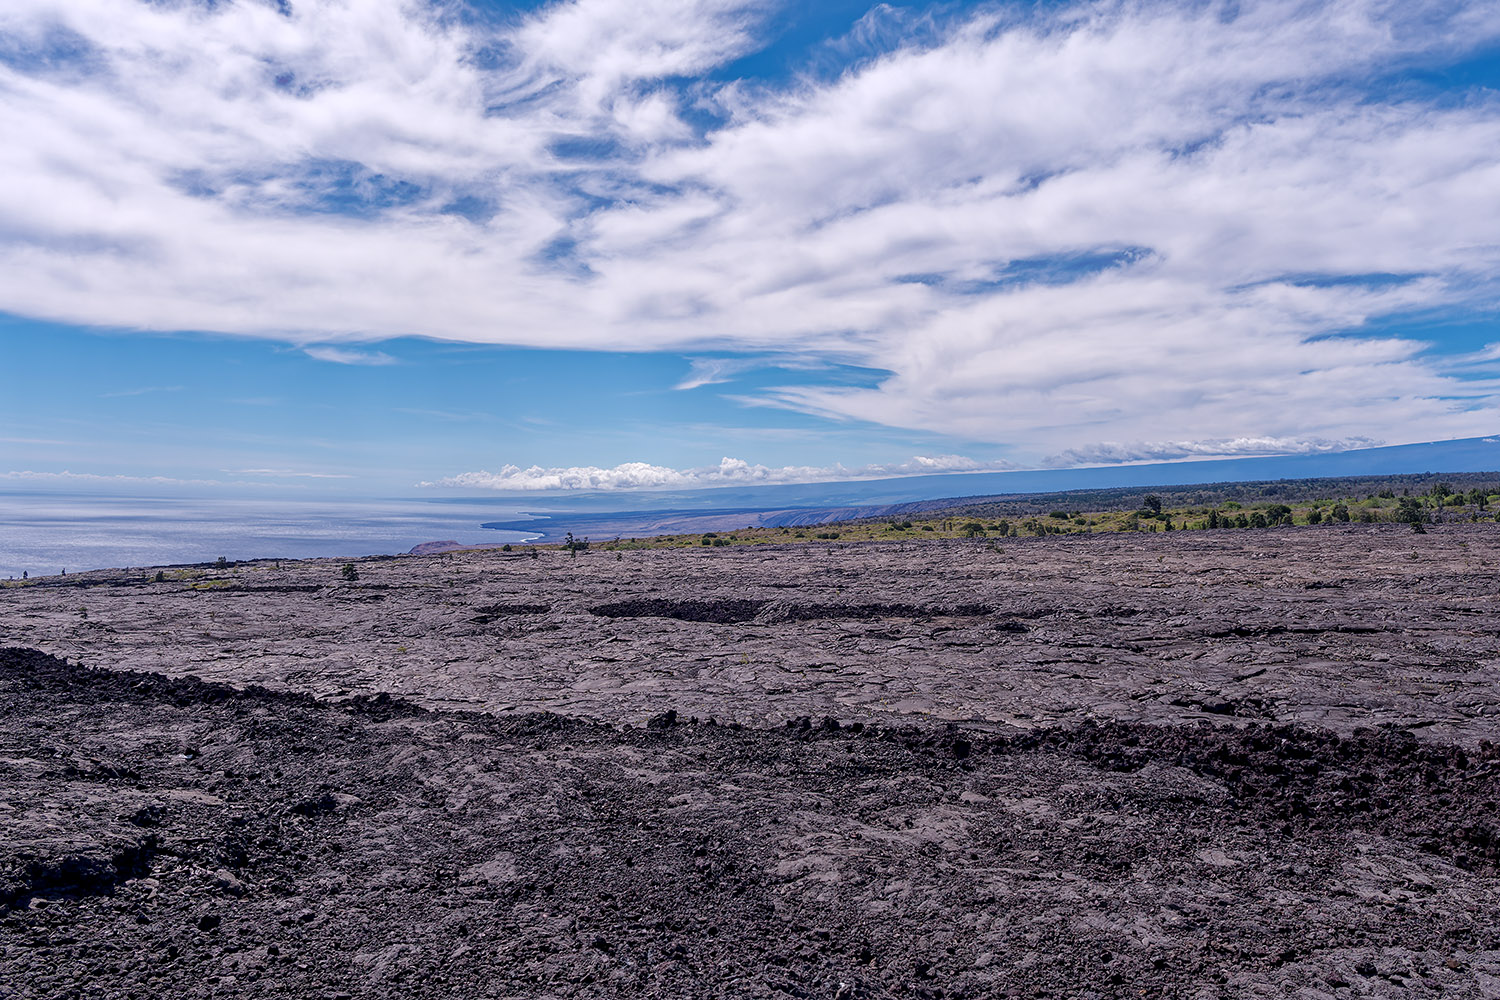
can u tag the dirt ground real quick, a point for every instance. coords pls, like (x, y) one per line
(1249, 764)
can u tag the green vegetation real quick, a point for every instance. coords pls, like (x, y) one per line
(1416, 500)
(349, 572)
(1132, 511)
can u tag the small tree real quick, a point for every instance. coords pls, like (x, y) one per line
(349, 572)
(1153, 503)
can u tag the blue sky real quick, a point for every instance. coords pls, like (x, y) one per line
(400, 247)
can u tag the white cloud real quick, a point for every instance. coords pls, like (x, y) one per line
(140, 392)
(1116, 453)
(287, 474)
(346, 356)
(712, 371)
(27, 475)
(1109, 222)
(729, 472)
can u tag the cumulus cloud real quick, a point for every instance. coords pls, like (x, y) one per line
(1051, 226)
(729, 472)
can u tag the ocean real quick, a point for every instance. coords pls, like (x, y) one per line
(44, 534)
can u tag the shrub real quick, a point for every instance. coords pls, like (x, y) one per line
(161, 577)
(1061, 515)
(1153, 503)
(1315, 516)
(221, 562)
(349, 572)
(1339, 513)
(1409, 510)
(973, 530)
(829, 535)
(505, 547)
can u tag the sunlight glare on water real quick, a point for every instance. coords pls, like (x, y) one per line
(43, 534)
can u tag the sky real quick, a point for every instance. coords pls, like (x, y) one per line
(423, 248)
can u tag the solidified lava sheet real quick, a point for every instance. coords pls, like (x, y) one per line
(1257, 765)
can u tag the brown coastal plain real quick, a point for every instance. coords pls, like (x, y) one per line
(1197, 764)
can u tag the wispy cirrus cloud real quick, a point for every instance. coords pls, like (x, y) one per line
(1052, 226)
(145, 390)
(67, 477)
(729, 472)
(287, 474)
(1117, 453)
(348, 356)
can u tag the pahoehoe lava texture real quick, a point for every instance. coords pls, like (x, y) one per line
(167, 836)
(729, 611)
(1337, 627)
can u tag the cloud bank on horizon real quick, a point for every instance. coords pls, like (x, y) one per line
(1087, 233)
(729, 472)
